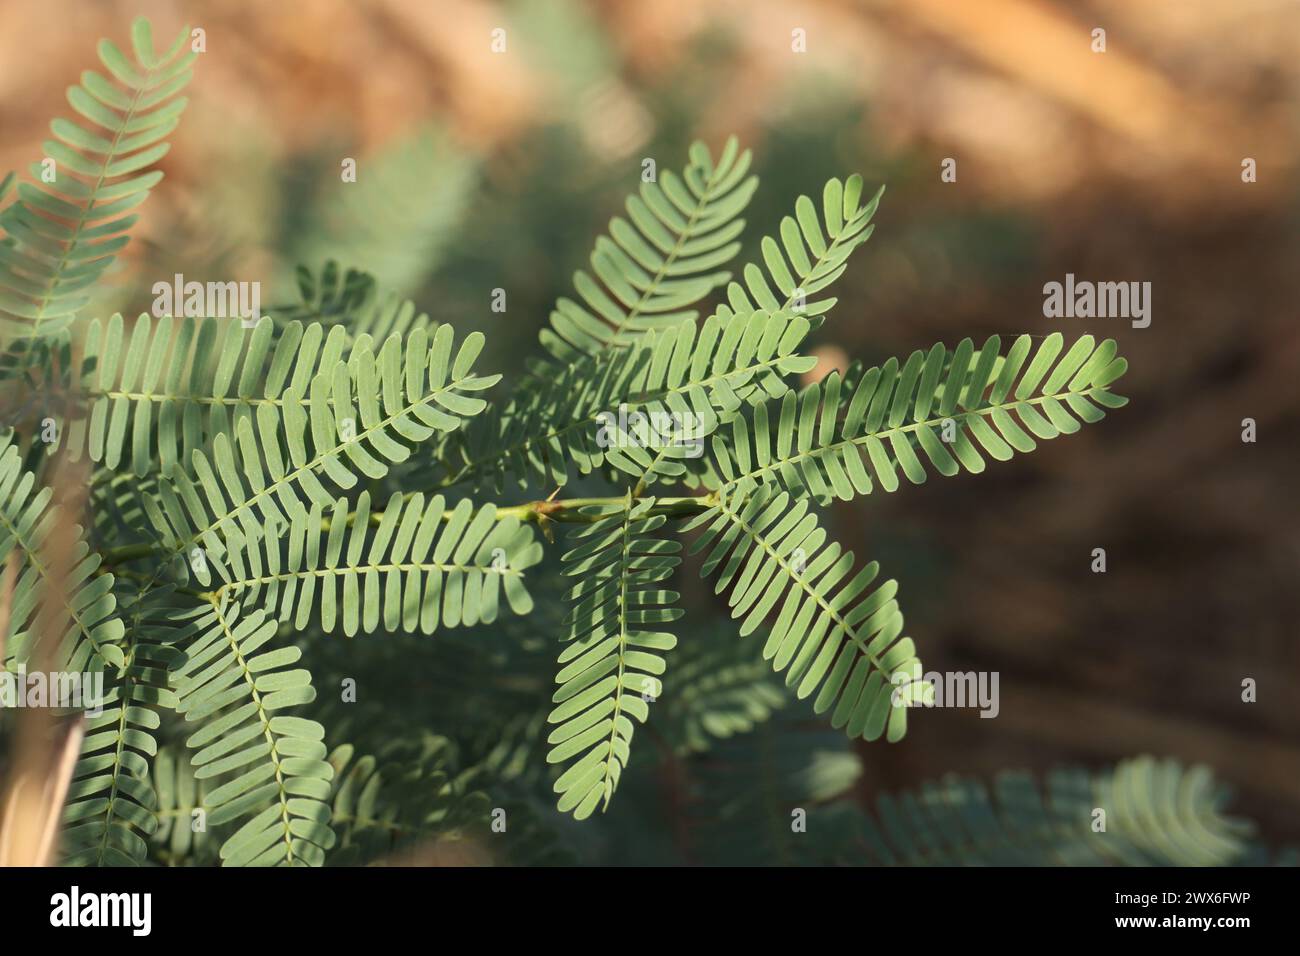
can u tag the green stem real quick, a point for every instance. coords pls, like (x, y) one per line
(567, 510)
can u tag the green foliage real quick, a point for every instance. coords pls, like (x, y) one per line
(698, 373)
(177, 840)
(80, 611)
(832, 441)
(398, 215)
(352, 300)
(1144, 812)
(816, 252)
(306, 396)
(722, 688)
(412, 796)
(415, 567)
(278, 778)
(99, 176)
(113, 808)
(655, 267)
(261, 494)
(845, 641)
(610, 669)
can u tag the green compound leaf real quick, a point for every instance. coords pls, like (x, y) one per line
(833, 634)
(660, 262)
(947, 408)
(68, 230)
(611, 666)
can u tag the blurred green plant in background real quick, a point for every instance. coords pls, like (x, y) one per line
(443, 223)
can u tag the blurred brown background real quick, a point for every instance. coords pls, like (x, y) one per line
(494, 170)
